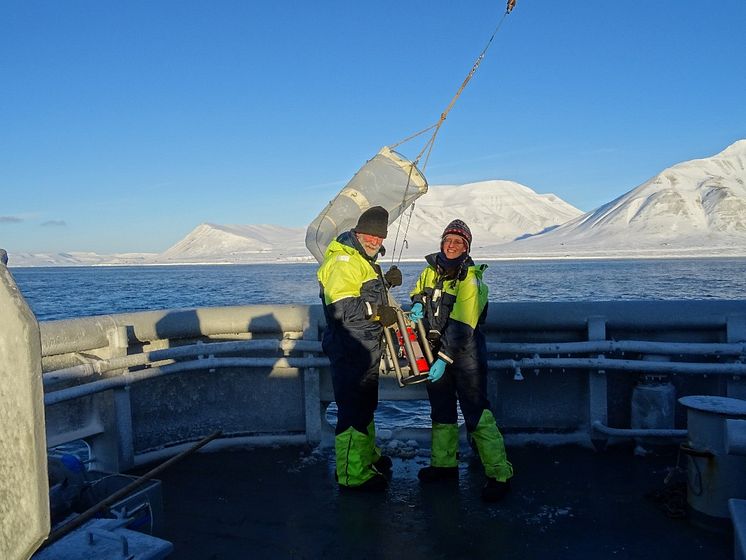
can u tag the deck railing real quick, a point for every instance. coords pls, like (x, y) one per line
(138, 385)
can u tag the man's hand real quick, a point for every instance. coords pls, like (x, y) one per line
(393, 277)
(385, 314)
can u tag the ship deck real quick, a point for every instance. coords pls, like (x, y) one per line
(567, 501)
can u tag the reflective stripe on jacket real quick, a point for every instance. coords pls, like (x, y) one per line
(453, 307)
(351, 286)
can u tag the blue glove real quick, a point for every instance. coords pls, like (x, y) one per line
(436, 370)
(417, 312)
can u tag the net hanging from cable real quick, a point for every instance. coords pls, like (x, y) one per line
(388, 179)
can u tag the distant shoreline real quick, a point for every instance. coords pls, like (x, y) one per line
(310, 261)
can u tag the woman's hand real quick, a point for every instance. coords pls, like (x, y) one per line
(436, 370)
(417, 312)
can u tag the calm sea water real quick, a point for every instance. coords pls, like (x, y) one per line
(61, 293)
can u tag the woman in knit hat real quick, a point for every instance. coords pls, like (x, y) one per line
(451, 300)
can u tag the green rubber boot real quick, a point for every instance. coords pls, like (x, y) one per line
(443, 460)
(354, 470)
(382, 463)
(491, 448)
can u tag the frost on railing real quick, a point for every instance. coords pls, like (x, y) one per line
(259, 369)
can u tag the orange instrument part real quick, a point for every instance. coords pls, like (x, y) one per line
(419, 356)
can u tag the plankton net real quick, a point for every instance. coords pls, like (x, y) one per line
(392, 181)
(388, 179)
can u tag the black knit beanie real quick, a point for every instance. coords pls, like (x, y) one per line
(374, 221)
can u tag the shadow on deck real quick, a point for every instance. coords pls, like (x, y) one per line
(566, 502)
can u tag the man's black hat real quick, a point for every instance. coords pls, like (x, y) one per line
(374, 221)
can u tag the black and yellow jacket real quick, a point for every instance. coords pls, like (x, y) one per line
(351, 287)
(454, 307)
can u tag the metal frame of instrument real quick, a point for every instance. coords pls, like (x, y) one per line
(411, 374)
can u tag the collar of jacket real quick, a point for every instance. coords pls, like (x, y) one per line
(432, 260)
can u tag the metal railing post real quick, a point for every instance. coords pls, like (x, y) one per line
(118, 344)
(736, 332)
(311, 384)
(597, 386)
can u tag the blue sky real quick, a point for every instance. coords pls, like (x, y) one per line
(124, 125)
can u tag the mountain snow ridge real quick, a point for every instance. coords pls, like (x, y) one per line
(496, 211)
(694, 208)
(697, 204)
(212, 242)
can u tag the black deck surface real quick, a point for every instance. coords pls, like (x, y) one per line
(566, 502)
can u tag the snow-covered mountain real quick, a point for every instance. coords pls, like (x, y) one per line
(211, 243)
(78, 258)
(497, 212)
(694, 208)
